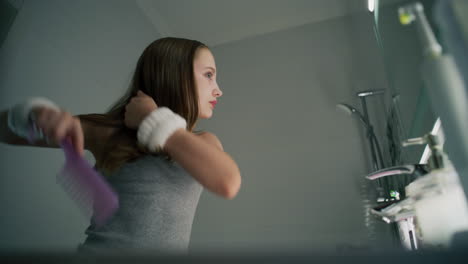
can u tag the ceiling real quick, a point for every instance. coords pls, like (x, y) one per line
(217, 22)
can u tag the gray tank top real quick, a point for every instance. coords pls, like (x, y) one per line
(157, 204)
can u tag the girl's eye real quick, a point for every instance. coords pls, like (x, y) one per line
(209, 75)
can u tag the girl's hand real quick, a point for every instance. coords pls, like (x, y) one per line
(138, 108)
(59, 125)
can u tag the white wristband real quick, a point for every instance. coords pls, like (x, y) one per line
(19, 116)
(158, 126)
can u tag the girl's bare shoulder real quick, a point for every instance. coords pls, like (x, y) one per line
(210, 138)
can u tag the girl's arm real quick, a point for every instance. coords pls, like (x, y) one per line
(203, 157)
(56, 126)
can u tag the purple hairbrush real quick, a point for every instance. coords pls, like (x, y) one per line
(86, 186)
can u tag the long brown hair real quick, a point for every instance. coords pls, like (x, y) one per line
(164, 71)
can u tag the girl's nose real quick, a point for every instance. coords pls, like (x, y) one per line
(217, 92)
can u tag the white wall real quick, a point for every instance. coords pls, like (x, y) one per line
(301, 161)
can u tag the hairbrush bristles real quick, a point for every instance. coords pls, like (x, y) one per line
(86, 187)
